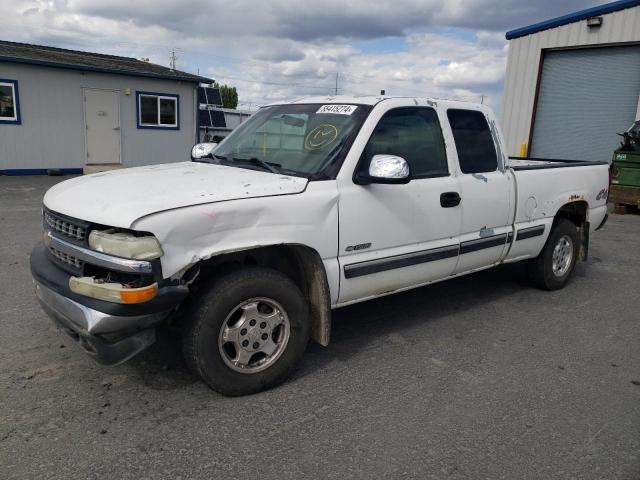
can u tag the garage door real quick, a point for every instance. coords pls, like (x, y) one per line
(586, 97)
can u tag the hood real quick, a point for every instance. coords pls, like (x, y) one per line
(119, 197)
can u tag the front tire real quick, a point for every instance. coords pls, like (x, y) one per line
(552, 269)
(247, 331)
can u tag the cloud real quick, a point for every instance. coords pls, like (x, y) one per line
(293, 19)
(306, 21)
(278, 49)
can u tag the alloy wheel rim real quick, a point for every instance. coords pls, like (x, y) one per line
(254, 335)
(562, 256)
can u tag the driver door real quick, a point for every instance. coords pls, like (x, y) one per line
(398, 236)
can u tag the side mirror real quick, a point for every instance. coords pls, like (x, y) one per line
(388, 169)
(202, 150)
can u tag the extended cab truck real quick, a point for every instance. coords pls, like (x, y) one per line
(304, 208)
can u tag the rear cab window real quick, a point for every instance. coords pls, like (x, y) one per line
(474, 142)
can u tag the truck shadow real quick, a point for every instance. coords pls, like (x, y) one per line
(358, 327)
(369, 324)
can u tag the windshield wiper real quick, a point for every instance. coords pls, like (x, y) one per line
(271, 167)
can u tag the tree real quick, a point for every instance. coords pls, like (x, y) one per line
(228, 94)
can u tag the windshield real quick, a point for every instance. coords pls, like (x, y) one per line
(296, 139)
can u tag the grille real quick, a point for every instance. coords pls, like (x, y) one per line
(64, 227)
(67, 259)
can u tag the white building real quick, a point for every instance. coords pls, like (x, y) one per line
(573, 82)
(69, 110)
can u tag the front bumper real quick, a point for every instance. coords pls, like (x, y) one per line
(75, 320)
(111, 333)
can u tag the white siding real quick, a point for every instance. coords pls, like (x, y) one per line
(524, 61)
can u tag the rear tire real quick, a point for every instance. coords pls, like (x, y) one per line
(247, 331)
(552, 269)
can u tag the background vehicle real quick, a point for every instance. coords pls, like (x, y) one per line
(304, 208)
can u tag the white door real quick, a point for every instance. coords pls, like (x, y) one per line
(397, 236)
(484, 189)
(102, 126)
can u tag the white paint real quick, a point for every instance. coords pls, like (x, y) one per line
(119, 197)
(201, 210)
(396, 219)
(102, 126)
(524, 61)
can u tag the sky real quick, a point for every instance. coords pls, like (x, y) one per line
(274, 50)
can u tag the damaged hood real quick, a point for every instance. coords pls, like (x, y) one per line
(119, 197)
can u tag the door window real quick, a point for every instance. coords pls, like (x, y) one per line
(413, 134)
(474, 142)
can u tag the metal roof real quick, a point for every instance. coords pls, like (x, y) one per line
(90, 62)
(572, 17)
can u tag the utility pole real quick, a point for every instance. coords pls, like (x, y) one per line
(336, 91)
(172, 59)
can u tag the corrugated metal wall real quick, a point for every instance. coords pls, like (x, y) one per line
(524, 62)
(52, 131)
(586, 97)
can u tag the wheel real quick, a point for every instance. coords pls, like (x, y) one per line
(552, 269)
(247, 331)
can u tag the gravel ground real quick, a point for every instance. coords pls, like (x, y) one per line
(478, 377)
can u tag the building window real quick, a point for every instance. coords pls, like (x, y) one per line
(9, 102)
(158, 110)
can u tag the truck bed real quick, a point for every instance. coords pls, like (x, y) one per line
(540, 193)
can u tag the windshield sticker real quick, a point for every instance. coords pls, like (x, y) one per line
(337, 109)
(320, 137)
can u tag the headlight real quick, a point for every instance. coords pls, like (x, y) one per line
(112, 292)
(202, 150)
(127, 245)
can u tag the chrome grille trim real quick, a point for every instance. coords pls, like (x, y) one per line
(96, 258)
(66, 258)
(64, 227)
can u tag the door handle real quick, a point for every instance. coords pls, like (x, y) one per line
(450, 199)
(116, 128)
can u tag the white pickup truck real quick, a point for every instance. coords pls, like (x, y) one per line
(306, 207)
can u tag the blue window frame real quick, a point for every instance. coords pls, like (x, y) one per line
(9, 102)
(159, 111)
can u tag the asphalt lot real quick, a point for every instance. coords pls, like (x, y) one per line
(478, 377)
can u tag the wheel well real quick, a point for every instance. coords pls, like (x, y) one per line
(301, 264)
(577, 212)
(574, 211)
